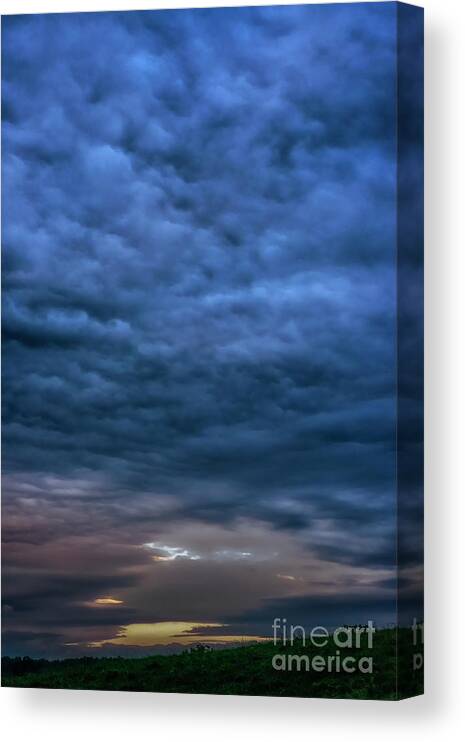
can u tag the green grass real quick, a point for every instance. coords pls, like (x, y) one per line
(245, 670)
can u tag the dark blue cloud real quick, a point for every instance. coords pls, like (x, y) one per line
(199, 279)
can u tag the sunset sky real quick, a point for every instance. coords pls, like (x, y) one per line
(199, 325)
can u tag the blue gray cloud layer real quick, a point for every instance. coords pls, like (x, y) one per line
(199, 277)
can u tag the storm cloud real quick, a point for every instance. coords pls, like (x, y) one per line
(198, 306)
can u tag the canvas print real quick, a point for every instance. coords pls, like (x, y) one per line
(212, 350)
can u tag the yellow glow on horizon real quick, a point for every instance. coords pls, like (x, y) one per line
(170, 632)
(107, 601)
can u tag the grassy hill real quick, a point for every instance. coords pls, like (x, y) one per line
(245, 670)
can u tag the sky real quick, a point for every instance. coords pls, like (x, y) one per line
(199, 307)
